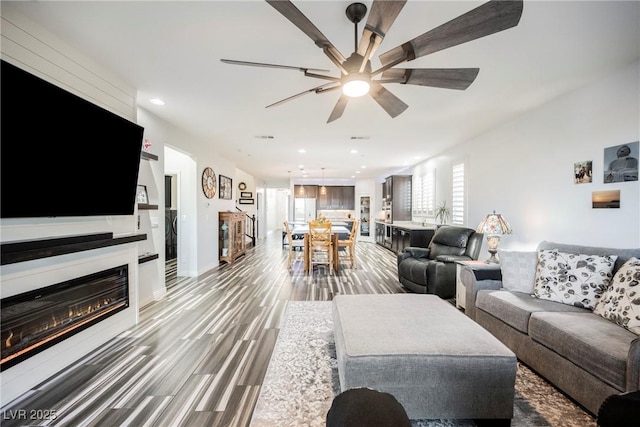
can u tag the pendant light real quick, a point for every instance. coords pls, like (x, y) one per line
(323, 189)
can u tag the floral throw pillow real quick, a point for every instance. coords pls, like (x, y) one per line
(572, 279)
(620, 302)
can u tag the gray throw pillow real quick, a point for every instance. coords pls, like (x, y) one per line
(518, 270)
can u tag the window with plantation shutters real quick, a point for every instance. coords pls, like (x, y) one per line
(424, 193)
(457, 196)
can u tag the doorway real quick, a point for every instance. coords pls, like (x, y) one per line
(171, 225)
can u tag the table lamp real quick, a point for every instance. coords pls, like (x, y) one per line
(493, 226)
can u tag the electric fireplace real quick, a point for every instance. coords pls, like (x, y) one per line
(35, 320)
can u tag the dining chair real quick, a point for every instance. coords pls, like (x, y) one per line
(320, 244)
(350, 244)
(293, 244)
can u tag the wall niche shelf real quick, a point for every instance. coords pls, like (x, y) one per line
(148, 156)
(147, 207)
(147, 257)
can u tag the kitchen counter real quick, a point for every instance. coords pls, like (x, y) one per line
(400, 234)
(408, 225)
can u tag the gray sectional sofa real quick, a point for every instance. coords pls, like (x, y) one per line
(583, 354)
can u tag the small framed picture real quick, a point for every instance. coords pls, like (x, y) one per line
(245, 201)
(141, 195)
(582, 172)
(606, 199)
(246, 194)
(225, 187)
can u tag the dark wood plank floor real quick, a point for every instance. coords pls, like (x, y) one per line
(198, 357)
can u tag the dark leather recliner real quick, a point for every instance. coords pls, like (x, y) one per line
(432, 270)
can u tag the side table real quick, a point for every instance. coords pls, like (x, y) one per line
(461, 292)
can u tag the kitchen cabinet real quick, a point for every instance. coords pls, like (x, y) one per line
(337, 197)
(348, 198)
(403, 236)
(379, 233)
(365, 206)
(397, 196)
(306, 191)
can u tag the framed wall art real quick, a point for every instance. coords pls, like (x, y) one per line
(141, 195)
(621, 163)
(246, 194)
(225, 187)
(605, 199)
(246, 201)
(582, 172)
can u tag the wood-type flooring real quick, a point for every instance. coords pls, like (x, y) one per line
(197, 357)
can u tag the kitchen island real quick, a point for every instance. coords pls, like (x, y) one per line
(400, 234)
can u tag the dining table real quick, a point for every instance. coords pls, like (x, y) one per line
(336, 232)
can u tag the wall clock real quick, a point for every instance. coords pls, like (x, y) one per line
(209, 182)
(242, 186)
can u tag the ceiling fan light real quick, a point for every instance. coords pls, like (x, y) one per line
(355, 85)
(355, 88)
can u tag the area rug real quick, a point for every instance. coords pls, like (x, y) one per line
(302, 380)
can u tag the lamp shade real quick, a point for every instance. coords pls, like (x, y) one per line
(493, 225)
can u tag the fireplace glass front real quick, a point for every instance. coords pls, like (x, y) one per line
(35, 320)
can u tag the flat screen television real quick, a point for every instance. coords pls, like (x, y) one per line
(62, 155)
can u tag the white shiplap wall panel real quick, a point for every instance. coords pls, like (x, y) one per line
(33, 49)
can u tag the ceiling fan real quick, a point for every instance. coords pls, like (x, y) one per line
(356, 76)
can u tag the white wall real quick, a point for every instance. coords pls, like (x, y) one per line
(524, 168)
(198, 216)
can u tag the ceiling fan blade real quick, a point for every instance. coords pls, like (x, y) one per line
(489, 18)
(339, 108)
(446, 78)
(381, 17)
(260, 64)
(297, 18)
(317, 89)
(388, 101)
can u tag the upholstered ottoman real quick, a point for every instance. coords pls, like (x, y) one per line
(435, 360)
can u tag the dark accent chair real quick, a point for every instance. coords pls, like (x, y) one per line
(620, 410)
(432, 270)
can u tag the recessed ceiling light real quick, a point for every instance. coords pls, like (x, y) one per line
(157, 101)
(354, 151)
(302, 150)
(353, 176)
(363, 167)
(357, 171)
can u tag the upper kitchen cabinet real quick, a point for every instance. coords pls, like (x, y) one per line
(337, 198)
(397, 195)
(349, 198)
(305, 191)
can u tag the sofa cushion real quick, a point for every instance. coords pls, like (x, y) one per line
(573, 279)
(620, 302)
(518, 270)
(597, 345)
(515, 308)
